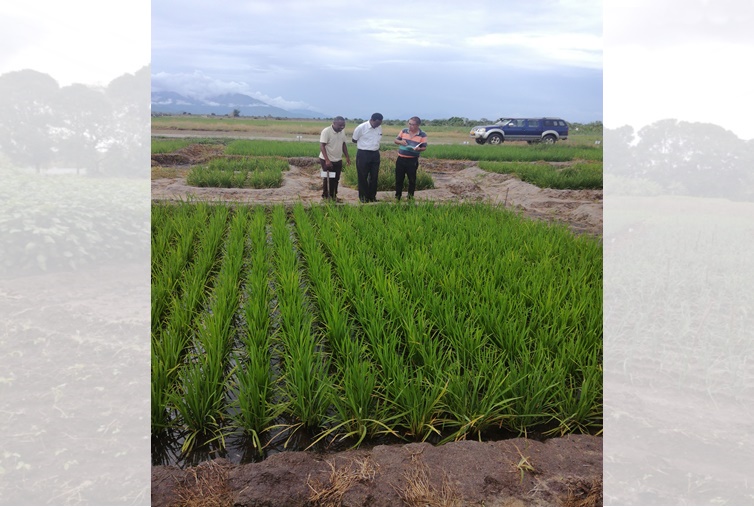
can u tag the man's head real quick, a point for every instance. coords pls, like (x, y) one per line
(376, 120)
(414, 122)
(338, 123)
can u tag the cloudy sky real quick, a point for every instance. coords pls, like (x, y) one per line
(433, 59)
(682, 59)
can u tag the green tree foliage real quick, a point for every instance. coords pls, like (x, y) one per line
(103, 131)
(683, 158)
(26, 112)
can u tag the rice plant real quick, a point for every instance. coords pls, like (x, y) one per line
(577, 176)
(240, 172)
(255, 410)
(307, 385)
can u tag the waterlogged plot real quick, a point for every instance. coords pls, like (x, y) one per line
(421, 322)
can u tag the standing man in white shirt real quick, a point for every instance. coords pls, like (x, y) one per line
(367, 137)
(332, 147)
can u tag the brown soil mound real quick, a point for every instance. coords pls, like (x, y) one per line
(563, 471)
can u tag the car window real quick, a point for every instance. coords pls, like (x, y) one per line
(549, 123)
(533, 123)
(516, 123)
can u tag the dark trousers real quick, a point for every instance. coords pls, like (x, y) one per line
(367, 168)
(405, 166)
(331, 192)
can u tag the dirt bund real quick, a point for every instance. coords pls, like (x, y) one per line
(519, 472)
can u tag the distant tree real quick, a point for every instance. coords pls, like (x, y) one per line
(698, 159)
(26, 113)
(82, 124)
(129, 131)
(619, 153)
(236, 113)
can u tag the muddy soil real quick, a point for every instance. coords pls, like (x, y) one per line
(512, 473)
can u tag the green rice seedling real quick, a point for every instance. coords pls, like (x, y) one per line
(253, 407)
(170, 263)
(169, 348)
(579, 406)
(160, 386)
(307, 385)
(332, 307)
(416, 401)
(214, 333)
(360, 411)
(173, 339)
(257, 304)
(200, 400)
(534, 381)
(479, 397)
(264, 179)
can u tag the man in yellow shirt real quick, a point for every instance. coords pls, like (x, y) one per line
(332, 147)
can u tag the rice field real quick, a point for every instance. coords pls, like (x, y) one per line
(348, 323)
(239, 172)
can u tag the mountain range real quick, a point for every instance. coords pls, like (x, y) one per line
(175, 103)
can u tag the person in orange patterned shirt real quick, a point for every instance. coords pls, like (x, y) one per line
(411, 141)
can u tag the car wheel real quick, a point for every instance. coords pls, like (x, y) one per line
(479, 140)
(495, 139)
(549, 139)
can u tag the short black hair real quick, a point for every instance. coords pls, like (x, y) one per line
(376, 116)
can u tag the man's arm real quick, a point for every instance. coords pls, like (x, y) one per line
(323, 150)
(345, 152)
